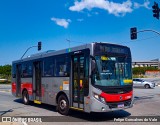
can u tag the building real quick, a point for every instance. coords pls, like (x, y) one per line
(152, 63)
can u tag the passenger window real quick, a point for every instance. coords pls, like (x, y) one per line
(62, 66)
(13, 71)
(48, 67)
(27, 69)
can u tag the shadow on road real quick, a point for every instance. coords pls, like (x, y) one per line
(45, 106)
(141, 87)
(98, 117)
(4, 112)
(78, 116)
(143, 97)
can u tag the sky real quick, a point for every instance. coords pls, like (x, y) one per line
(23, 23)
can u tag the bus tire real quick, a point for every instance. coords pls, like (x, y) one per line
(25, 97)
(63, 105)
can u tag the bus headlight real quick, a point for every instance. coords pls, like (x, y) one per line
(99, 98)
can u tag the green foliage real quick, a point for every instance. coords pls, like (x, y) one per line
(142, 70)
(5, 72)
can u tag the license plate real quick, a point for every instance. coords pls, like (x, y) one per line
(120, 105)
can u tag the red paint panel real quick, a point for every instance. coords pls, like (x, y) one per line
(13, 87)
(116, 97)
(27, 86)
(42, 90)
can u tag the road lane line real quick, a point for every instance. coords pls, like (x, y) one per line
(24, 123)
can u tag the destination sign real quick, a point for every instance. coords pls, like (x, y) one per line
(109, 48)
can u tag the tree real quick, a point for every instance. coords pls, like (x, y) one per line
(5, 71)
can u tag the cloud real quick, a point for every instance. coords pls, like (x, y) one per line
(61, 22)
(80, 20)
(145, 4)
(117, 9)
(96, 13)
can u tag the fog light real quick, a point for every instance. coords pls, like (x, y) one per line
(103, 109)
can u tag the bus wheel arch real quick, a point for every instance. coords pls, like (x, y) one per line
(25, 96)
(62, 103)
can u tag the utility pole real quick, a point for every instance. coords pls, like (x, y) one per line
(39, 48)
(134, 32)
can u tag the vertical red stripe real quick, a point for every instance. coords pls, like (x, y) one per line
(13, 87)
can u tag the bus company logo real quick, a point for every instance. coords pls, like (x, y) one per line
(120, 97)
(6, 119)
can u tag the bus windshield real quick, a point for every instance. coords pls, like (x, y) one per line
(113, 71)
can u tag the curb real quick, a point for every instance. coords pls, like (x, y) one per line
(5, 91)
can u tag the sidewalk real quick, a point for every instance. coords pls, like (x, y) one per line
(5, 87)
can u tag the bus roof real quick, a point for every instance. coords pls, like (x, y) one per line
(63, 51)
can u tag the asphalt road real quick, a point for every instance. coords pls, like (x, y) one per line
(146, 103)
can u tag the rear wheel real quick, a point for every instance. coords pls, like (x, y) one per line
(25, 97)
(147, 86)
(63, 105)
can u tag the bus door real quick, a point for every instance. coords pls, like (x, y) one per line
(37, 81)
(78, 69)
(18, 80)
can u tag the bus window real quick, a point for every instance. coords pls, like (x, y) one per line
(14, 71)
(27, 69)
(48, 69)
(62, 66)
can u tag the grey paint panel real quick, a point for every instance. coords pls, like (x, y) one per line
(81, 106)
(75, 104)
(51, 87)
(26, 80)
(13, 80)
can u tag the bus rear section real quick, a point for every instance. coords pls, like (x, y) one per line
(26, 80)
(95, 77)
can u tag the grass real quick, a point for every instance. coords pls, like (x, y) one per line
(139, 76)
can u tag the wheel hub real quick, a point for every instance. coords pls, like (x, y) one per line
(25, 97)
(63, 104)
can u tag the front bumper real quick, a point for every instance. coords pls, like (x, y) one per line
(98, 106)
(152, 85)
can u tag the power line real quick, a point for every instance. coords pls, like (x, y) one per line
(141, 39)
(69, 41)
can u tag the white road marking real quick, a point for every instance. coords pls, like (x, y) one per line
(24, 123)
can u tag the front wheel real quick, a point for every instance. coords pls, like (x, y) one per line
(25, 97)
(147, 86)
(63, 105)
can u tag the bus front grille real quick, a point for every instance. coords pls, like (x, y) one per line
(115, 104)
